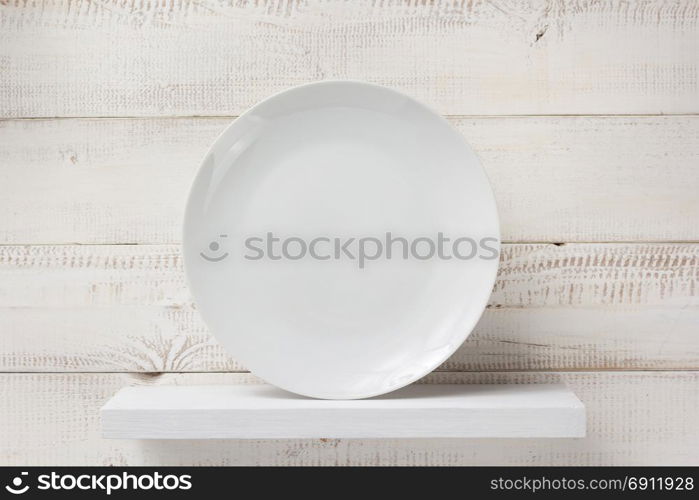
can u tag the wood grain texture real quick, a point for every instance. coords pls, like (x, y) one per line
(642, 418)
(554, 178)
(120, 308)
(576, 306)
(206, 57)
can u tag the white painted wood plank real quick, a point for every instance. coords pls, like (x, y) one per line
(640, 418)
(418, 411)
(576, 306)
(204, 57)
(554, 178)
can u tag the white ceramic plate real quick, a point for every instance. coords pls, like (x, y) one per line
(283, 229)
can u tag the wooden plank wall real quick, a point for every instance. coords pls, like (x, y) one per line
(584, 113)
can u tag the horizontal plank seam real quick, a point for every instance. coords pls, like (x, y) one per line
(456, 117)
(243, 372)
(495, 306)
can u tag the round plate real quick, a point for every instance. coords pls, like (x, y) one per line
(341, 240)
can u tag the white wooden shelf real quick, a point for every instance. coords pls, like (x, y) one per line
(418, 411)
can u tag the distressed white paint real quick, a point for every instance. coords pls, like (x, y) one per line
(633, 418)
(554, 178)
(417, 411)
(576, 306)
(566, 179)
(205, 57)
